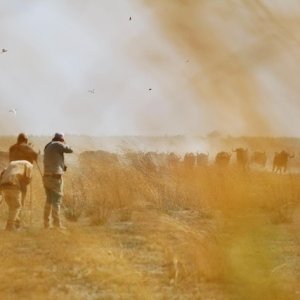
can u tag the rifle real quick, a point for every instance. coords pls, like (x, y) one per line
(40, 171)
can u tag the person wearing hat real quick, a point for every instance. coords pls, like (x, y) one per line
(54, 168)
(22, 151)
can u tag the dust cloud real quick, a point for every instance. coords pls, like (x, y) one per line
(177, 67)
(246, 53)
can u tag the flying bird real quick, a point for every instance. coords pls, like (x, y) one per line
(150, 89)
(13, 111)
(130, 19)
(4, 50)
(91, 91)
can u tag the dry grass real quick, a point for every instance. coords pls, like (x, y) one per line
(208, 233)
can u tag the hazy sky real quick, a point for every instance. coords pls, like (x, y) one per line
(210, 65)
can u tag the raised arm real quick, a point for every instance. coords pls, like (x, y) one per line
(68, 149)
(32, 154)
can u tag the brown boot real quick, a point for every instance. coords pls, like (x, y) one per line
(18, 224)
(10, 226)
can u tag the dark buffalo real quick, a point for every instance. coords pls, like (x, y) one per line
(151, 162)
(189, 160)
(223, 158)
(160, 162)
(133, 159)
(259, 158)
(280, 161)
(149, 159)
(173, 160)
(202, 159)
(100, 156)
(242, 157)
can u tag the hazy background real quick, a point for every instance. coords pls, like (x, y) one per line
(231, 66)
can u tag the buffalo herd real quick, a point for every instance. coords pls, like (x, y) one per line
(154, 161)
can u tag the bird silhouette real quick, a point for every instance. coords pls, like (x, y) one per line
(91, 91)
(13, 111)
(130, 19)
(150, 89)
(4, 50)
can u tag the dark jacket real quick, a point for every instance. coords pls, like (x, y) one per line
(22, 151)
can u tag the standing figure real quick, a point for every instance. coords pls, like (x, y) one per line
(22, 151)
(14, 180)
(54, 168)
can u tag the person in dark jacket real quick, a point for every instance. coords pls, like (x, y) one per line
(54, 168)
(22, 151)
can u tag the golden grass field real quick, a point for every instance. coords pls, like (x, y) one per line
(208, 233)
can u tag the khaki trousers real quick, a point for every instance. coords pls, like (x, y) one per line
(52, 207)
(54, 191)
(13, 198)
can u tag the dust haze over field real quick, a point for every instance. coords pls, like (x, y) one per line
(137, 86)
(245, 52)
(210, 65)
